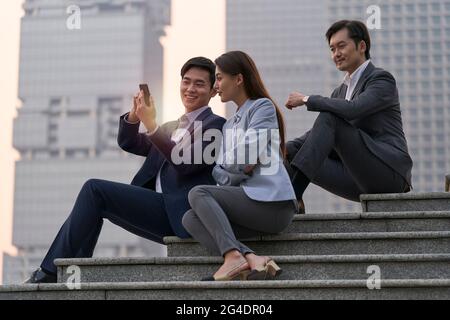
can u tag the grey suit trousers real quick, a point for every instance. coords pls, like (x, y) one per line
(222, 214)
(333, 155)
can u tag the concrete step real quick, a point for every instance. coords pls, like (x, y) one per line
(371, 222)
(235, 290)
(350, 267)
(413, 201)
(329, 244)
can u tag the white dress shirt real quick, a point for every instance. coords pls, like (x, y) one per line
(350, 80)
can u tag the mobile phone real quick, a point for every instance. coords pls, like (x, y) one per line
(144, 87)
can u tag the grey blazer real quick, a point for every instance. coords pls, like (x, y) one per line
(375, 109)
(251, 136)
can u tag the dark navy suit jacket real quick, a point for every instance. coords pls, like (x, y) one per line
(176, 179)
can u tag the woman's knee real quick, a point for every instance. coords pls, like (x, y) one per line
(195, 194)
(187, 219)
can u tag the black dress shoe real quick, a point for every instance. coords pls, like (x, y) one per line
(39, 276)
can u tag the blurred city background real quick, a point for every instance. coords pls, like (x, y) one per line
(71, 86)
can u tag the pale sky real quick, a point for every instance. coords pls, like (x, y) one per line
(198, 28)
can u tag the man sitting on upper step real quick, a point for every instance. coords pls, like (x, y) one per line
(356, 144)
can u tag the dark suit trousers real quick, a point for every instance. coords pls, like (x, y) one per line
(334, 156)
(136, 209)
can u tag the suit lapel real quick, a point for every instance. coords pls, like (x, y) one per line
(341, 91)
(161, 161)
(172, 127)
(369, 69)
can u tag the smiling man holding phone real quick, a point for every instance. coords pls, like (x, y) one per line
(153, 205)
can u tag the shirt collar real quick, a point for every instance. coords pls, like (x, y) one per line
(354, 77)
(194, 114)
(244, 107)
(238, 115)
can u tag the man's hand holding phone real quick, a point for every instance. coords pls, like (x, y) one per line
(132, 116)
(144, 108)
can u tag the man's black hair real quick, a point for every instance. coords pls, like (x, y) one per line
(356, 31)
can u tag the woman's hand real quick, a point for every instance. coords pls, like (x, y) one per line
(248, 170)
(226, 178)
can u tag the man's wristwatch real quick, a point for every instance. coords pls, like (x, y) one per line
(305, 99)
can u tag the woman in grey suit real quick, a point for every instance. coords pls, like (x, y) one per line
(254, 195)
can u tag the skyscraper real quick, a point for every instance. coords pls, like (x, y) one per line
(287, 40)
(74, 83)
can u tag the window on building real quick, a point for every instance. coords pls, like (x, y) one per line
(410, 8)
(425, 72)
(437, 58)
(437, 32)
(436, 7)
(436, 20)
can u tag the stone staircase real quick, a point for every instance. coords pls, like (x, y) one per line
(406, 237)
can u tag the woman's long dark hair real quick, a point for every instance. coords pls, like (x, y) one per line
(238, 62)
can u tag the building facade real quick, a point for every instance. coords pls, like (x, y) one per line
(74, 83)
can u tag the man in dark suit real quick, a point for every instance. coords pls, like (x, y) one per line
(356, 144)
(154, 204)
